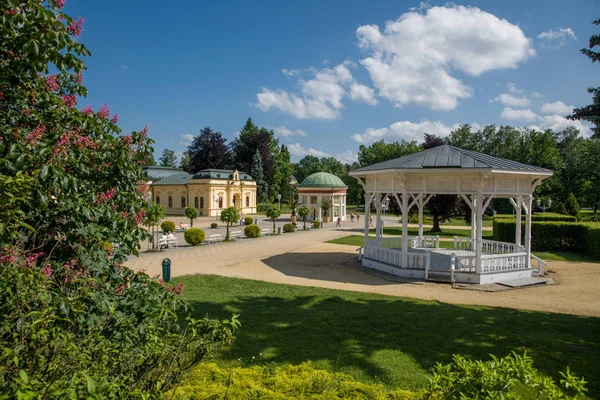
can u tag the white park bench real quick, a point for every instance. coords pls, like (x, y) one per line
(265, 232)
(235, 234)
(166, 242)
(215, 237)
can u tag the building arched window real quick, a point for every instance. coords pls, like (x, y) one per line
(201, 202)
(233, 201)
(182, 201)
(170, 202)
(220, 202)
(247, 201)
(157, 199)
(196, 202)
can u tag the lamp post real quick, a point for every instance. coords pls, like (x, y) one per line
(279, 199)
(542, 205)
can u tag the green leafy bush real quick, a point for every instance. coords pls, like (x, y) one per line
(317, 224)
(591, 239)
(99, 331)
(288, 228)
(168, 226)
(558, 207)
(572, 206)
(303, 381)
(194, 236)
(214, 225)
(511, 377)
(252, 231)
(248, 220)
(548, 216)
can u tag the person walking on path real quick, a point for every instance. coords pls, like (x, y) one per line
(351, 217)
(339, 222)
(370, 221)
(357, 217)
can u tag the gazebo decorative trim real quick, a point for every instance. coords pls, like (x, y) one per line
(477, 178)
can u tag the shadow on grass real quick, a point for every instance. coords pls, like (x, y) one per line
(390, 340)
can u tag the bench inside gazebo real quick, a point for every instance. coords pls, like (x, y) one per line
(477, 178)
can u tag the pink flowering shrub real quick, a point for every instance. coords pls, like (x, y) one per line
(69, 185)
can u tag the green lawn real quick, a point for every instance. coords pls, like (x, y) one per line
(358, 240)
(394, 341)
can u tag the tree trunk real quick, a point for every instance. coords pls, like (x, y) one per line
(436, 223)
(273, 226)
(227, 233)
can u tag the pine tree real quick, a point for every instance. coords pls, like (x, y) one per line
(262, 188)
(168, 158)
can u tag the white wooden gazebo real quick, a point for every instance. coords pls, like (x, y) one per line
(477, 178)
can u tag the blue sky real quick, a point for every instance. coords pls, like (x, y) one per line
(330, 75)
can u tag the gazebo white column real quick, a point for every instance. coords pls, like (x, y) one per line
(405, 200)
(518, 205)
(474, 206)
(477, 200)
(529, 202)
(368, 200)
(378, 216)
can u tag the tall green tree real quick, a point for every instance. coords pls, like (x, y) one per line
(381, 151)
(262, 187)
(208, 150)
(251, 140)
(591, 113)
(168, 159)
(285, 168)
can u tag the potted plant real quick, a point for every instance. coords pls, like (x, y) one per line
(326, 206)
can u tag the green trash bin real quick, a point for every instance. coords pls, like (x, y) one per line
(166, 270)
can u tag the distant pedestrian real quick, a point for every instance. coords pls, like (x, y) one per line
(351, 217)
(370, 221)
(339, 222)
(357, 217)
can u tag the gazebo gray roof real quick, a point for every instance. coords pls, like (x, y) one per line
(447, 156)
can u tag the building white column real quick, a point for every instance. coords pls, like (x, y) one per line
(420, 204)
(319, 198)
(368, 200)
(478, 201)
(529, 203)
(404, 207)
(518, 227)
(378, 216)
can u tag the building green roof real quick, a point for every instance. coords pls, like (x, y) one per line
(323, 180)
(182, 178)
(155, 173)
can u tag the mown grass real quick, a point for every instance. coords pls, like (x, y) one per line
(389, 340)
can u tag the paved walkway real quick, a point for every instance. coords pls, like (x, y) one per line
(209, 259)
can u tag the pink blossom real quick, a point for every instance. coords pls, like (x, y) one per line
(13, 11)
(60, 3)
(47, 271)
(139, 217)
(143, 188)
(60, 148)
(124, 214)
(144, 132)
(126, 140)
(87, 110)
(76, 27)
(32, 259)
(11, 256)
(106, 196)
(104, 111)
(51, 82)
(70, 100)
(79, 78)
(115, 119)
(35, 135)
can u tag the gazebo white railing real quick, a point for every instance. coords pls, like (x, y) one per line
(478, 178)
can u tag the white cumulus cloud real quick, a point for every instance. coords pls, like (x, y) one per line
(321, 97)
(186, 139)
(508, 99)
(406, 130)
(286, 132)
(345, 157)
(557, 38)
(412, 60)
(559, 123)
(519, 114)
(558, 107)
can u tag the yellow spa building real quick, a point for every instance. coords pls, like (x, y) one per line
(209, 190)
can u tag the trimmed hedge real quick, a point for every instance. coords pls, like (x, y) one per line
(168, 226)
(248, 220)
(214, 225)
(317, 224)
(252, 231)
(576, 237)
(194, 236)
(289, 228)
(540, 217)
